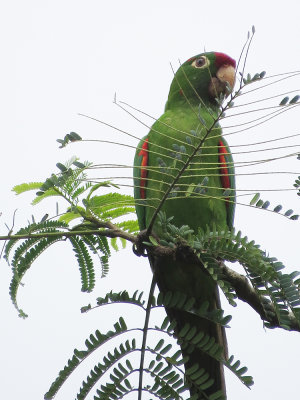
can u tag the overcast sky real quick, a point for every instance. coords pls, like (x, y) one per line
(61, 58)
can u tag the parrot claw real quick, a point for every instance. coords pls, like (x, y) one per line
(185, 253)
(139, 247)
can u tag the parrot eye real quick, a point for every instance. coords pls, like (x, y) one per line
(200, 62)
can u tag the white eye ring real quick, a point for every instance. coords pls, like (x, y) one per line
(201, 62)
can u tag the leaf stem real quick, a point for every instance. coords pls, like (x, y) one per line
(115, 232)
(145, 330)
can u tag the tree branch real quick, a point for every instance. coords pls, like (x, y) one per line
(112, 233)
(260, 304)
(244, 290)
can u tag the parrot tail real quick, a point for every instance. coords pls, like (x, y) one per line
(178, 277)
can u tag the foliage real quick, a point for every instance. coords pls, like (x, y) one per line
(88, 238)
(259, 203)
(164, 364)
(101, 221)
(279, 291)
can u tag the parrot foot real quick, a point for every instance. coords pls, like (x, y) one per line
(185, 253)
(139, 247)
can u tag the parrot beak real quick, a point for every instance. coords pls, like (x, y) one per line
(223, 82)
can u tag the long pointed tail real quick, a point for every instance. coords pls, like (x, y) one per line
(193, 281)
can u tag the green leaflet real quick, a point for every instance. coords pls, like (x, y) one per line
(85, 264)
(257, 202)
(25, 187)
(111, 205)
(69, 137)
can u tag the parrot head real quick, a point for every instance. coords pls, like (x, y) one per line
(203, 78)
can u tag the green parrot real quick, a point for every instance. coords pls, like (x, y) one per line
(197, 197)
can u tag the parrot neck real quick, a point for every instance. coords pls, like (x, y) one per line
(178, 100)
(182, 94)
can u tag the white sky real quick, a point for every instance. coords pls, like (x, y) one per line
(60, 58)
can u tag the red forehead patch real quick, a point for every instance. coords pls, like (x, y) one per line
(223, 59)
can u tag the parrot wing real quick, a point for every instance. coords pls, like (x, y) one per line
(227, 176)
(140, 173)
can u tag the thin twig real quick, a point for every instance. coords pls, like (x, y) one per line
(9, 233)
(145, 332)
(112, 233)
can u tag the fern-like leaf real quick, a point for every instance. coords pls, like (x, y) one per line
(264, 272)
(122, 297)
(99, 244)
(86, 265)
(22, 264)
(25, 187)
(183, 302)
(111, 205)
(92, 343)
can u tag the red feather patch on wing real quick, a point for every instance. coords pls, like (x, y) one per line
(144, 171)
(224, 174)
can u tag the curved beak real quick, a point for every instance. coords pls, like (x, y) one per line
(226, 73)
(224, 81)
